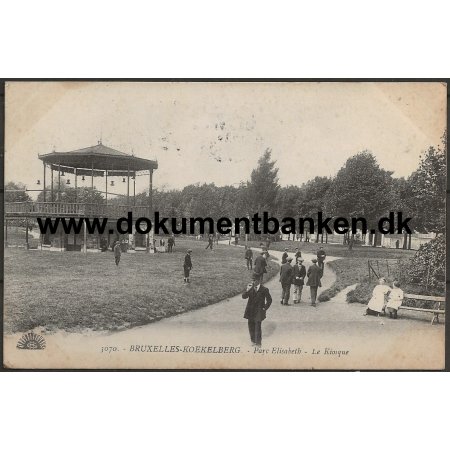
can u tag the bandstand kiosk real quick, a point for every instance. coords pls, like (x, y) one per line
(106, 166)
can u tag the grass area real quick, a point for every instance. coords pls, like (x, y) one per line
(71, 291)
(348, 271)
(354, 270)
(341, 251)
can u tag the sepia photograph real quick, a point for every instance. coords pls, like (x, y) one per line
(212, 225)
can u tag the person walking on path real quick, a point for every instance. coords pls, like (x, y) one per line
(299, 280)
(260, 265)
(321, 255)
(298, 254)
(210, 242)
(187, 266)
(170, 244)
(259, 301)
(117, 252)
(314, 275)
(284, 256)
(286, 276)
(249, 257)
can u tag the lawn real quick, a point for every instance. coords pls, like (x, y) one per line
(353, 269)
(72, 292)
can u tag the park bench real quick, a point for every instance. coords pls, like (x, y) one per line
(439, 302)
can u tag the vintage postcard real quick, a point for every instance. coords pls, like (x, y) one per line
(225, 225)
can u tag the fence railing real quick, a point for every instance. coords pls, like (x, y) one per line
(44, 209)
(386, 268)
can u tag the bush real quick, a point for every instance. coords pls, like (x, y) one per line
(427, 267)
(361, 294)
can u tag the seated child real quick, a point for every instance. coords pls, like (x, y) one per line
(376, 305)
(394, 300)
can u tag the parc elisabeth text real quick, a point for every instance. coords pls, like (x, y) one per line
(276, 350)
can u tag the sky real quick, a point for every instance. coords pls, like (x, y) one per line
(215, 132)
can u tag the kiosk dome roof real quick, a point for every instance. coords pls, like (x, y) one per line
(99, 157)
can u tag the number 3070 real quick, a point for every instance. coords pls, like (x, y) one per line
(108, 349)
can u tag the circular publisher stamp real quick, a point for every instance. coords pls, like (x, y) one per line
(31, 341)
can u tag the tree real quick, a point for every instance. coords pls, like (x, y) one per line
(401, 198)
(287, 201)
(16, 192)
(69, 195)
(361, 189)
(262, 189)
(427, 191)
(313, 198)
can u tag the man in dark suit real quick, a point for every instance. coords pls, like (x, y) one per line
(321, 255)
(259, 301)
(260, 265)
(284, 256)
(314, 276)
(170, 244)
(298, 280)
(187, 266)
(286, 275)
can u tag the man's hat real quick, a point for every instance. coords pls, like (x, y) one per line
(314, 260)
(189, 251)
(286, 249)
(300, 259)
(289, 259)
(255, 276)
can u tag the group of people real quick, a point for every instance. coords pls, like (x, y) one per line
(117, 249)
(295, 275)
(385, 299)
(259, 297)
(170, 243)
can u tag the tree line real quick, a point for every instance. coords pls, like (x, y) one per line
(361, 188)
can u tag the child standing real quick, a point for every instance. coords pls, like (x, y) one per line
(187, 266)
(249, 257)
(117, 252)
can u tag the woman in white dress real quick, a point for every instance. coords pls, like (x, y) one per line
(395, 300)
(376, 304)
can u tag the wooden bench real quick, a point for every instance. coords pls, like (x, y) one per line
(436, 311)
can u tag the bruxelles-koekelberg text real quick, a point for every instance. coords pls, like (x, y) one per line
(393, 223)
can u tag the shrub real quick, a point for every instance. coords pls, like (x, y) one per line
(427, 267)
